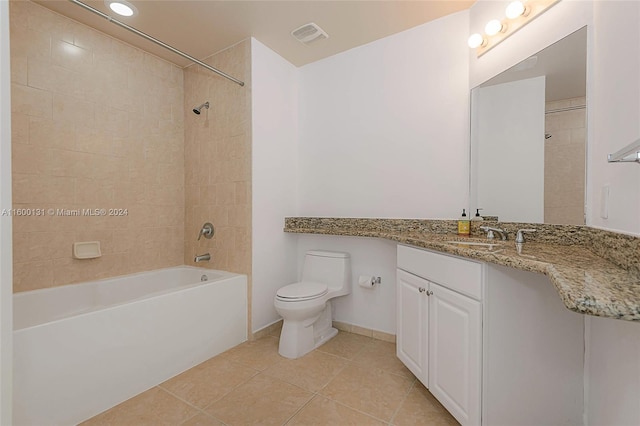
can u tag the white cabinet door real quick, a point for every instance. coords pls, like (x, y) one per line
(455, 353)
(411, 325)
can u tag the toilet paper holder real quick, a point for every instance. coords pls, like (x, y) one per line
(368, 281)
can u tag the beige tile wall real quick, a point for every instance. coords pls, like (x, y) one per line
(97, 124)
(218, 161)
(564, 152)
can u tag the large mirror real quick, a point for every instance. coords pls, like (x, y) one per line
(528, 138)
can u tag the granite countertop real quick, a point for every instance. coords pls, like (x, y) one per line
(595, 272)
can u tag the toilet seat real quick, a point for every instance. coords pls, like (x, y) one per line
(301, 291)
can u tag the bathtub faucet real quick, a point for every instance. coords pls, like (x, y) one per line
(202, 258)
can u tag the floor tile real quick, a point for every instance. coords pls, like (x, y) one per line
(153, 407)
(374, 391)
(358, 380)
(208, 382)
(262, 400)
(202, 419)
(311, 372)
(379, 354)
(420, 408)
(323, 411)
(259, 354)
(345, 345)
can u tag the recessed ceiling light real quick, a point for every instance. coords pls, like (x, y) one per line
(121, 7)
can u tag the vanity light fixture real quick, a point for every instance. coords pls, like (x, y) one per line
(493, 27)
(518, 14)
(476, 40)
(515, 9)
(121, 7)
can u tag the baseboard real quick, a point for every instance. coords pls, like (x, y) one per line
(274, 328)
(356, 329)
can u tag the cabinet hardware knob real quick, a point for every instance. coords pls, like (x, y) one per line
(421, 289)
(429, 292)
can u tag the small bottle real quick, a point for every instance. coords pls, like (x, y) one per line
(477, 216)
(463, 224)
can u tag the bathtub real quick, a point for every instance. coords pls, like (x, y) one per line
(80, 349)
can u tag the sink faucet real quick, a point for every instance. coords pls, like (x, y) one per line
(520, 236)
(202, 258)
(490, 231)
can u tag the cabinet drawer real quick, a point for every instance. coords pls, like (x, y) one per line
(463, 276)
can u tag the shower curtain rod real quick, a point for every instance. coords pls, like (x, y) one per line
(156, 41)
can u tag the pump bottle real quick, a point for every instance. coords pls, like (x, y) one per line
(463, 224)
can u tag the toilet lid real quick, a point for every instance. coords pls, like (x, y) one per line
(302, 291)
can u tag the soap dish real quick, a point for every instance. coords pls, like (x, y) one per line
(86, 250)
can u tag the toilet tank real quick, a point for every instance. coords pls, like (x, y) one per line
(329, 267)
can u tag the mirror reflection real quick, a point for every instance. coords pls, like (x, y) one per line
(528, 138)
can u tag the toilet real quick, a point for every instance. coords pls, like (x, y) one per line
(305, 306)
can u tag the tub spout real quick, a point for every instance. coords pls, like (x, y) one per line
(202, 258)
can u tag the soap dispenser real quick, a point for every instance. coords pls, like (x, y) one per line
(463, 224)
(477, 216)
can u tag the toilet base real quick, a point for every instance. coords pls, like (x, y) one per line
(298, 338)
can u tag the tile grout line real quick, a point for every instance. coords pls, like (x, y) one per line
(198, 409)
(406, 395)
(352, 362)
(202, 410)
(318, 394)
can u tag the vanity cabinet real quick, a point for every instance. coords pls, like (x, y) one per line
(494, 345)
(439, 327)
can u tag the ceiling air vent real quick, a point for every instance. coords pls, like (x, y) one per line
(308, 33)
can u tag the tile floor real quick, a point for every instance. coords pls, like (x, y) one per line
(351, 380)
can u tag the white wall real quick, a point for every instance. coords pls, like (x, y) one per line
(613, 368)
(274, 176)
(615, 114)
(6, 290)
(614, 121)
(384, 131)
(372, 308)
(381, 124)
(613, 109)
(509, 123)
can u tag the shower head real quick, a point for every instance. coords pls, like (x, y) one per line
(197, 110)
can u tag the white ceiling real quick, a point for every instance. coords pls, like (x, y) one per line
(202, 28)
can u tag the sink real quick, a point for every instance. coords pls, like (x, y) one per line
(476, 245)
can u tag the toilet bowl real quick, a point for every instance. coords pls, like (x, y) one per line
(305, 306)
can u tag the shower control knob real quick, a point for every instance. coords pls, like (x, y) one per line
(207, 231)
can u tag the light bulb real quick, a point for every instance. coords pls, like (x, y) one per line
(515, 9)
(475, 40)
(493, 27)
(122, 7)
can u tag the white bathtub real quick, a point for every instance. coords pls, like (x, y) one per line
(80, 349)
